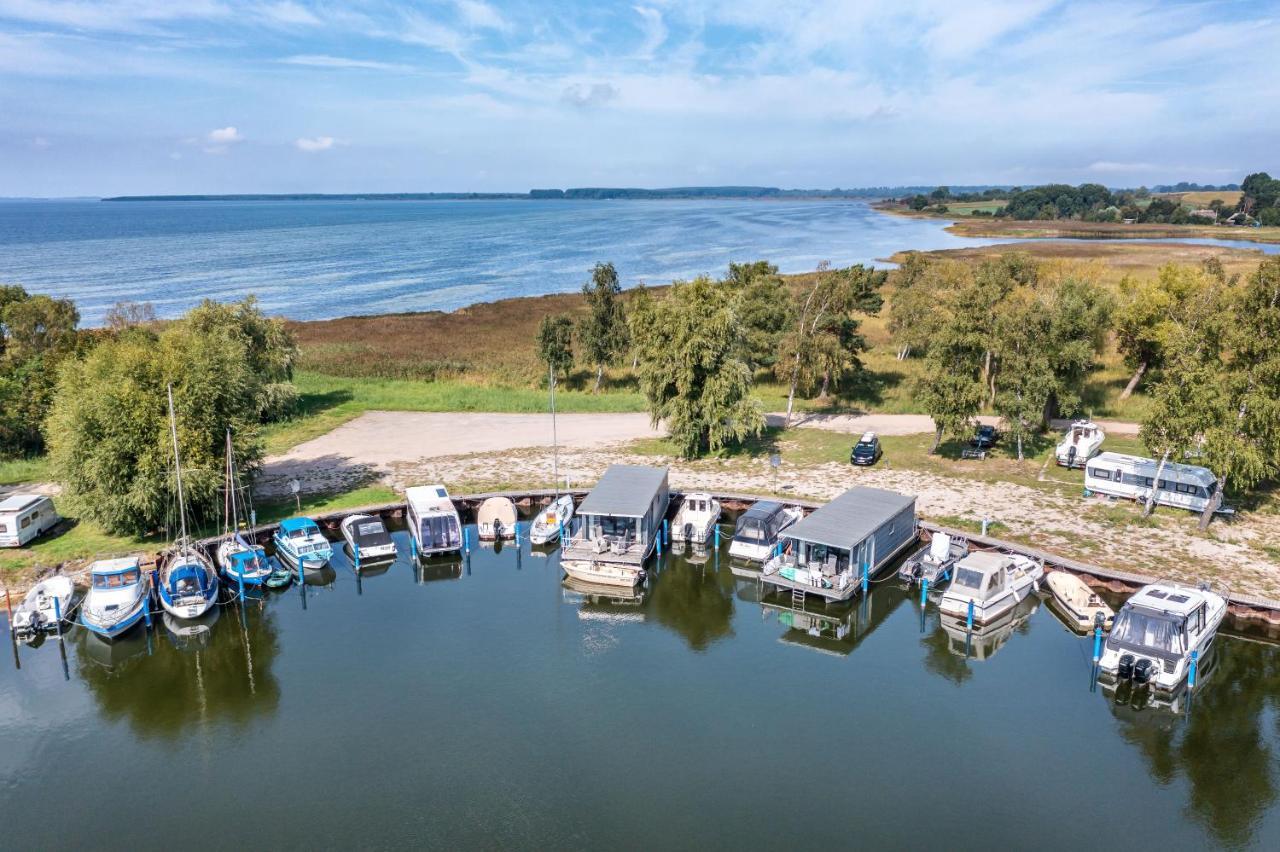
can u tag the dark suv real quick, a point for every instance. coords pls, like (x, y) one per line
(866, 451)
(985, 438)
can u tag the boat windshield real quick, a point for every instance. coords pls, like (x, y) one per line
(750, 529)
(968, 578)
(1148, 630)
(115, 581)
(439, 531)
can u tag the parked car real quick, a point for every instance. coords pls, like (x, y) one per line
(866, 451)
(985, 438)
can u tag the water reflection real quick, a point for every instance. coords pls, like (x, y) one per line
(203, 673)
(982, 642)
(693, 600)
(832, 629)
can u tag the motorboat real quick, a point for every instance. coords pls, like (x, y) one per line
(1079, 605)
(989, 584)
(549, 523)
(188, 582)
(368, 538)
(118, 597)
(496, 519)
(1159, 632)
(48, 602)
(433, 520)
(300, 541)
(934, 563)
(755, 536)
(1082, 442)
(605, 572)
(695, 520)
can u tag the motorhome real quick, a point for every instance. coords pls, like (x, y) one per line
(24, 517)
(1181, 486)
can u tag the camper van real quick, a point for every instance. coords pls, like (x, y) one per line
(1182, 486)
(25, 516)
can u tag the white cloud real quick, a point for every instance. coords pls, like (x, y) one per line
(587, 97)
(318, 143)
(40, 143)
(479, 15)
(224, 135)
(289, 13)
(319, 60)
(654, 29)
(1111, 167)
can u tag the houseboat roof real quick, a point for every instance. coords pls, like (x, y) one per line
(115, 566)
(625, 490)
(850, 518)
(1202, 475)
(428, 497)
(18, 502)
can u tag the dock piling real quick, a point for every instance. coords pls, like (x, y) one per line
(1097, 644)
(666, 530)
(968, 619)
(8, 605)
(57, 616)
(924, 592)
(1191, 674)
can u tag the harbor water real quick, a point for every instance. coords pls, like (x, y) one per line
(489, 704)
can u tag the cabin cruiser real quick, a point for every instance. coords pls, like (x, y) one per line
(696, 520)
(299, 540)
(1082, 442)
(368, 539)
(118, 597)
(989, 584)
(496, 519)
(48, 602)
(551, 520)
(1079, 605)
(242, 563)
(1158, 632)
(433, 520)
(933, 564)
(755, 536)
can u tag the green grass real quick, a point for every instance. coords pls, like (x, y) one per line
(18, 471)
(967, 208)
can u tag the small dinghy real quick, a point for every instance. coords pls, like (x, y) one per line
(367, 538)
(496, 519)
(934, 563)
(551, 520)
(40, 610)
(699, 513)
(1079, 605)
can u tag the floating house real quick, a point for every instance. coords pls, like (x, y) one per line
(617, 526)
(826, 553)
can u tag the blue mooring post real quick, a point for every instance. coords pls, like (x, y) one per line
(968, 619)
(57, 614)
(666, 530)
(1191, 674)
(466, 540)
(924, 592)
(717, 536)
(240, 583)
(355, 550)
(659, 544)
(865, 579)
(413, 546)
(1097, 644)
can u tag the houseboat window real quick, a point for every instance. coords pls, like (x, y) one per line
(1147, 631)
(1164, 485)
(968, 578)
(1100, 473)
(1195, 623)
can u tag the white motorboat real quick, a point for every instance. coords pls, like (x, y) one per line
(300, 541)
(755, 536)
(433, 520)
(1159, 632)
(989, 585)
(367, 538)
(46, 603)
(600, 571)
(1082, 442)
(696, 519)
(188, 582)
(934, 563)
(1078, 604)
(118, 597)
(496, 519)
(554, 518)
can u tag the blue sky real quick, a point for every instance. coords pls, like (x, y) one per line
(156, 96)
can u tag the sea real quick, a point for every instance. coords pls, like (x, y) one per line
(318, 259)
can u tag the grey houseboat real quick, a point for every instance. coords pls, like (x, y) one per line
(826, 553)
(617, 526)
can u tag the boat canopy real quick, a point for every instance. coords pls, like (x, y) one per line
(761, 522)
(1142, 628)
(187, 575)
(299, 527)
(370, 532)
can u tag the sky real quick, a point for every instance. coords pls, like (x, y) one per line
(225, 96)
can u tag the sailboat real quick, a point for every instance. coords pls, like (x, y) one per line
(242, 561)
(188, 582)
(555, 517)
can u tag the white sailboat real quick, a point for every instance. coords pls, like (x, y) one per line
(188, 581)
(555, 517)
(242, 561)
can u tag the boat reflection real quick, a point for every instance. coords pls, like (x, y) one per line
(433, 568)
(982, 643)
(693, 600)
(600, 602)
(836, 629)
(191, 634)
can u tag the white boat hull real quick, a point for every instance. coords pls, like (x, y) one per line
(955, 603)
(604, 573)
(543, 531)
(44, 604)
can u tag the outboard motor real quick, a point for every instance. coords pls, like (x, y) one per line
(1125, 670)
(497, 529)
(688, 532)
(1071, 456)
(1142, 672)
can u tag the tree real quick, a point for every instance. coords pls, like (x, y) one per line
(602, 333)
(1027, 376)
(37, 333)
(950, 391)
(639, 315)
(1149, 312)
(1079, 312)
(124, 315)
(917, 285)
(555, 343)
(764, 308)
(692, 373)
(268, 345)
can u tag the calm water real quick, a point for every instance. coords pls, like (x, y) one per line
(494, 707)
(317, 259)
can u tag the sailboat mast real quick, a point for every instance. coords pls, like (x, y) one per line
(555, 443)
(231, 486)
(177, 465)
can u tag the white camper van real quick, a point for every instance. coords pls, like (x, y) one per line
(1182, 486)
(25, 516)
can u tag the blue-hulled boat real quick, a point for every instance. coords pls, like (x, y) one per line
(300, 540)
(118, 597)
(243, 563)
(188, 583)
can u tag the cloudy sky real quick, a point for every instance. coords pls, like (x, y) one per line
(160, 96)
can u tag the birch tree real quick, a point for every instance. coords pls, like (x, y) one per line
(602, 333)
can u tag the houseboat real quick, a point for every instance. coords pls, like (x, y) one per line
(1181, 486)
(1158, 632)
(826, 554)
(1082, 442)
(617, 526)
(755, 536)
(988, 585)
(433, 520)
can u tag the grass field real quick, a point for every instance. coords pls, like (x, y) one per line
(17, 471)
(1229, 197)
(968, 208)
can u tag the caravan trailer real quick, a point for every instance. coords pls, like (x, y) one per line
(1182, 486)
(24, 517)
